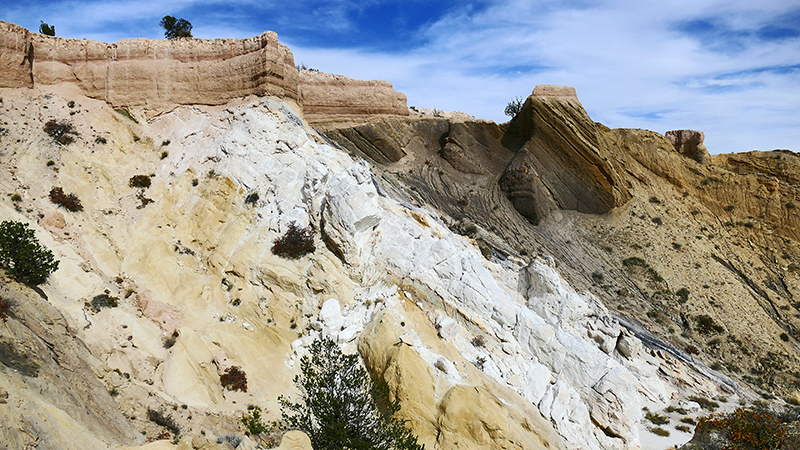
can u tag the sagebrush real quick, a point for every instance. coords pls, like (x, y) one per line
(295, 243)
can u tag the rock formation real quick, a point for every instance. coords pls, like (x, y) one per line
(156, 74)
(551, 156)
(689, 143)
(335, 99)
(528, 285)
(160, 74)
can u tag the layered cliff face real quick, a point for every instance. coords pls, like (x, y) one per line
(330, 99)
(156, 74)
(160, 74)
(552, 156)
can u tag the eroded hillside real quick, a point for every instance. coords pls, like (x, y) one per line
(534, 284)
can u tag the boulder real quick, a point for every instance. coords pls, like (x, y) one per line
(295, 440)
(689, 143)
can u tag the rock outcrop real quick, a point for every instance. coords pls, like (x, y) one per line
(561, 161)
(335, 99)
(689, 143)
(145, 72)
(552, 156)
(160, 74)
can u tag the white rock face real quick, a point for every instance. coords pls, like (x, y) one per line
(558, 349)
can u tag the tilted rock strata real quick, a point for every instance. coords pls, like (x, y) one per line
(551, 156)
(561, 161)
(196, 263)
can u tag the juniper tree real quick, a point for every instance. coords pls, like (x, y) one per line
(21, 255)
(341, 406)
(176, 28)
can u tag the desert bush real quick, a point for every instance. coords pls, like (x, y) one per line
(171, 339)
(46, 29)
(251, 198)
(164, 420)
(659, 431)
(704, 402)
(101, 301)
(234, 379)
(233, 439)
(479, 341)
(340, 406)
(5, 308)
(62, 132)
(69, 201)
(683, 295)
(745, 429)
(21, 255)
(656, 419)
(295, 243)
(139, 181)
(514, 107)
(684, 428)
(706, 325)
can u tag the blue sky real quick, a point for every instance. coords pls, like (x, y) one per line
(729, 68)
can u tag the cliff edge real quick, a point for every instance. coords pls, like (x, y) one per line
(161, 74)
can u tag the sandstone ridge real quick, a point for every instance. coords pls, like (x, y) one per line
(161, 74)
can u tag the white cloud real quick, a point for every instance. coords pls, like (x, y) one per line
(632, 62)
(630, 65)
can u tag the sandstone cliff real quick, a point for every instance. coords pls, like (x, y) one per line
(144, 72)
(161, 74)
(334, 99)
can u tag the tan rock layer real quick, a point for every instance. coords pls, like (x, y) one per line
(335, 99)
(165, 73)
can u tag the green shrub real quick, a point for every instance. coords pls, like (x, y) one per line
(46, 29)
(340, 406)
(21, 255)
(683, 295)
(656, 419)
(659, 431)
(684, 428)
(706, 325)
(69, 201)
(295, 243)
(102, 301)
(704, 402)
